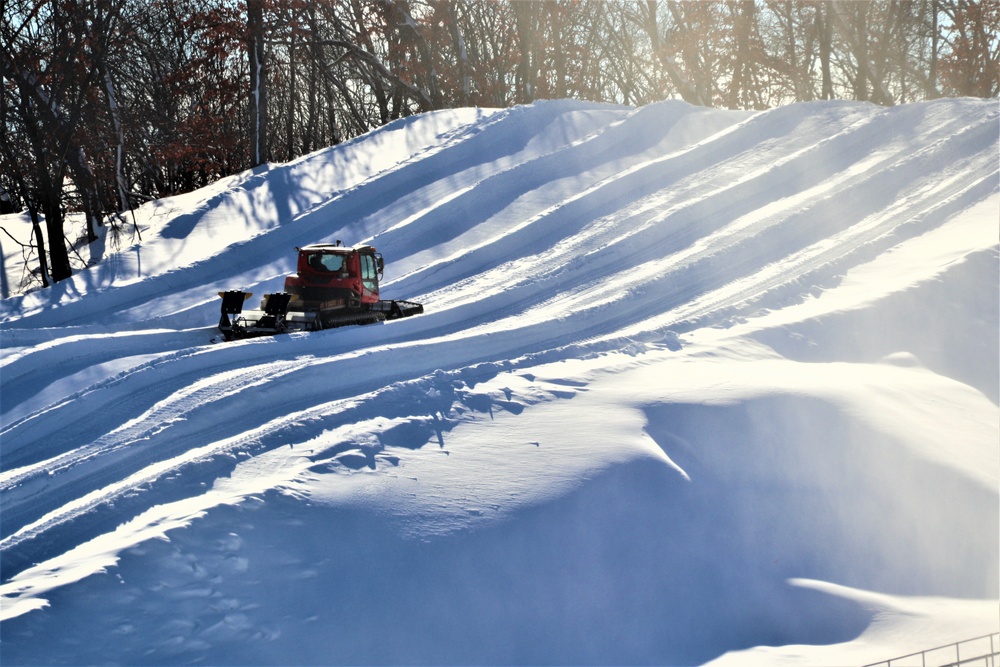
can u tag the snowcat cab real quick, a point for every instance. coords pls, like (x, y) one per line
(332, 276)
(333, 286)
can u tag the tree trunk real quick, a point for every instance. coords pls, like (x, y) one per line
(52, 206)
(292, 99)
(461, 54)
(258, 83)
(526, 24)
(932, 75)
(119, 134)
(36, 231)
(825, 30)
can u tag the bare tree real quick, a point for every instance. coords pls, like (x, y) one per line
(45, 58)
(971, 62)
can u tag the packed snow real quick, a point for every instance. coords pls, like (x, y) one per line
(692, 386)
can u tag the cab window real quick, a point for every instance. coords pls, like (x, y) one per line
(369, 276)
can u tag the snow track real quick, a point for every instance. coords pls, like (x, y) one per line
(538, 234)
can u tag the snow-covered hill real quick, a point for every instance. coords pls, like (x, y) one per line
(691, 386)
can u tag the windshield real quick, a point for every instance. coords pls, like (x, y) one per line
(322, 262)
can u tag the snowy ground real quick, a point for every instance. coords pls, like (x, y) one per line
(691, 386)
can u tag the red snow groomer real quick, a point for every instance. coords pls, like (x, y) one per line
(333, 286)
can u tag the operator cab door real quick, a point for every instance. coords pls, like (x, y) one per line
(369, 278)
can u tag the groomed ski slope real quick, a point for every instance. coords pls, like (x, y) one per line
(692, 386)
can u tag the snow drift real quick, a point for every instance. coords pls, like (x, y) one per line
(692, 386)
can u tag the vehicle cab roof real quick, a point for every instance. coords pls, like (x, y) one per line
(334, 248)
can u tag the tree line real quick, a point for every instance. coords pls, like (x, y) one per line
(105, 104)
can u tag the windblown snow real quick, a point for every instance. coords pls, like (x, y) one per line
(692, 386)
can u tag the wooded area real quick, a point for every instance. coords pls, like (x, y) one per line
(109, 103)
